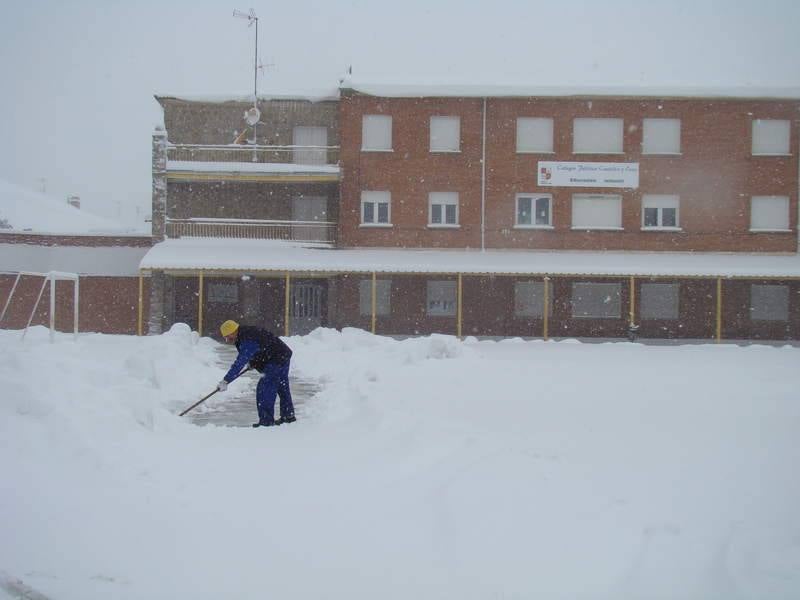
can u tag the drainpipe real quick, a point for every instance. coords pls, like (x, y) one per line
(483, 180)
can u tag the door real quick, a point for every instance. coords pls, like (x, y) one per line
(307, 210)
(312, 142)
(306, 308)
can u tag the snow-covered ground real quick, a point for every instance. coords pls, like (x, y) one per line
(423, 468)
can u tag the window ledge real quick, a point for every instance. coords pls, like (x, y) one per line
(771, 154)
(439, 226)
(533, 227)
(597, 228)
(445, 151)
(662, 228)
(376, 225)
(378, 150)
(662, 153)
(771, 231)
(549, 152)
(593, 152)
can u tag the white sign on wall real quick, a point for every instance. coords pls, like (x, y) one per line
(588, 174)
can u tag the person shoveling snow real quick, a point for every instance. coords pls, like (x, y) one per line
(269, 355)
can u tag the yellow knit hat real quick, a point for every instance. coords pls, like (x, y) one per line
(228, 328)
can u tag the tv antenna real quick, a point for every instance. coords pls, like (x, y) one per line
(252, 116)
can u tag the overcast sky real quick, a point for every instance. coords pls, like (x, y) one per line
(77, 107)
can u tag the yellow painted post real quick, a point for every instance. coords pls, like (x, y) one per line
(546, 308)
(458, 305)
(719, 309)
(141, 305)
(200, 304)
(632, 312)
(374, 299)
(286, 302)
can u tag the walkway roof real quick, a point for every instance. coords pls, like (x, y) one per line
(262, 256)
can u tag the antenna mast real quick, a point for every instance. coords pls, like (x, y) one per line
(252, 18)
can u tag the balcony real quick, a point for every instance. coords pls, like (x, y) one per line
(301, 164)
(317, 232)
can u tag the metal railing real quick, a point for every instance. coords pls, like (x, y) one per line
(300, 155)
(323, 232)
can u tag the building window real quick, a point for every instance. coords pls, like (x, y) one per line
(661, 136)
(376, 208)
(441, 300)
(376, 133)
(596, 300)
(597, 211)
(445, 134)
(223, 293)
(597, 136)
(771, 137)
(383, 289)
(534, 210)
(769, 302)
(534, 135)
(311, 142)
(769, 213)
(660, 211)
(443, 209)
(660, 301)
(529, 299)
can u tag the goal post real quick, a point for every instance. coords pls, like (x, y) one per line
(51, 277)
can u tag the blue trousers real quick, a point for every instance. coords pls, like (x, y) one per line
(274, 381)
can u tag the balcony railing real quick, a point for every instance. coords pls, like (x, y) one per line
(299, 155)
(323, 232)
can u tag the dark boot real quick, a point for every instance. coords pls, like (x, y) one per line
(289, 419)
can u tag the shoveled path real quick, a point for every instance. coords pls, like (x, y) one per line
(239, 410)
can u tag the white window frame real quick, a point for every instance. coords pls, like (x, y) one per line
(586, 130)
(661, 137)
(772, 205)
(534, 135)
(771, 137)
(441, 298)
(660, 202)
(443, 199)
(648, 308)
(376, 198)
(586, 200)
(533, 198)
(758, 313)
(383, 297)
(376, 126)
(613, 291)
(445, 134)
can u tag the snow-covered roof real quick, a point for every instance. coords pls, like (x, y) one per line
(117, 261)
(398, 90)
(260, 255)
(309, 95)
(247, 167)
(515, 90)
(28, 211)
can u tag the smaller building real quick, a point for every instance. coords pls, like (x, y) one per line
(40, 234)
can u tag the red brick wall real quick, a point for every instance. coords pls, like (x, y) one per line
(106, 304)
(715, 175)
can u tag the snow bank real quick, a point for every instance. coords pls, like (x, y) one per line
(425, 468)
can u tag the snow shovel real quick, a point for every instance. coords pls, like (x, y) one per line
(204, 398)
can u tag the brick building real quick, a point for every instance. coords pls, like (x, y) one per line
(491, 212)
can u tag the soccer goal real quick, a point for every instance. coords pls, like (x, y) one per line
(51, 277)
